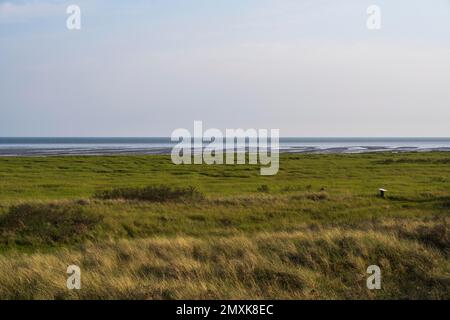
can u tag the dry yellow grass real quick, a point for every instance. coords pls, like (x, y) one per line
(329, 263)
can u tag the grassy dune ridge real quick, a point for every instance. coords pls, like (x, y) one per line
(140, 227)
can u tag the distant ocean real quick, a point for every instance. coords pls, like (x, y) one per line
(106, 146)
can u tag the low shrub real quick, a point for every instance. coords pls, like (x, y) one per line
(34, 223)
(160, 193)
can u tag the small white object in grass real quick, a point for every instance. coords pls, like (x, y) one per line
(382, 192)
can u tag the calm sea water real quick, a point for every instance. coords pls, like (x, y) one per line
(99, 146)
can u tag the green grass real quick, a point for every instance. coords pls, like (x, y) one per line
(225, 231)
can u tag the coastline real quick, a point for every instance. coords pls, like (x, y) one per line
(163, 146)
(42, 152)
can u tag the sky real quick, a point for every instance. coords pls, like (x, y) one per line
(147, 67)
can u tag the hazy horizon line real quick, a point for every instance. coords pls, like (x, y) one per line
(168, 137)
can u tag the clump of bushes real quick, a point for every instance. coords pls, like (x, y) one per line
(34, 223)
(161, 193)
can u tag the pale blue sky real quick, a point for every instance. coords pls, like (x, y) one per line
(145, 68)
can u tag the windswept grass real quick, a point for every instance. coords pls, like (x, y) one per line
(329, 263)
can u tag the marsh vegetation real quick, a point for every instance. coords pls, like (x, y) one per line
(140, 227)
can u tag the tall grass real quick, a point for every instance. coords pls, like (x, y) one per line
(330, 264)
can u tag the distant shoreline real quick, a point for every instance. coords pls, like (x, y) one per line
(163, 145)
(167, 151)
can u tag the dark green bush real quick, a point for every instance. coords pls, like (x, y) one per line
(160, 193)
(33, 223)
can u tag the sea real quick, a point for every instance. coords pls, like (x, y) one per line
(163, 145)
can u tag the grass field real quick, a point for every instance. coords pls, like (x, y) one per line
(140, 227)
